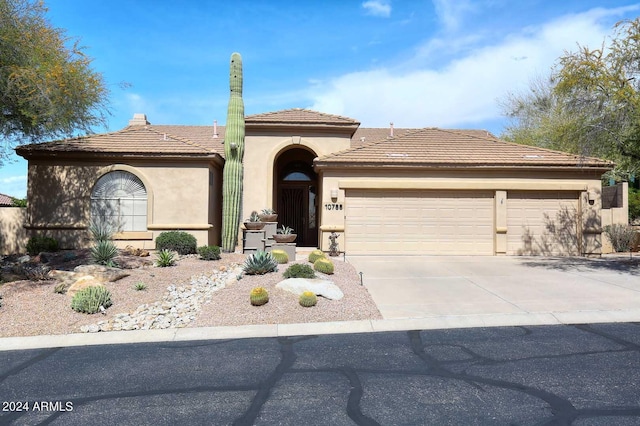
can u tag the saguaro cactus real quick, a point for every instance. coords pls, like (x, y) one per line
(233, 151)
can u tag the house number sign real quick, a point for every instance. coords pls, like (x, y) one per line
(333, 206)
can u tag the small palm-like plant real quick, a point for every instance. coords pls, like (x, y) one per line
(165, 258)
(140, 286)
(103, 252)
(259, 263)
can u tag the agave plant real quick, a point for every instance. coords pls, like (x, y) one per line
(255, 217)
(259, 263)
(103, 252)
(285, 230)
(165, 258)
(268, 211)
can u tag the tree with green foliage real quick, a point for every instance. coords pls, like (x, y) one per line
(589, 105)
(47, 86)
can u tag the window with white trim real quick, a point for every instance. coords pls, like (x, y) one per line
(119, 199)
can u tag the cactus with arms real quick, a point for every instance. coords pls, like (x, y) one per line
(233, 151)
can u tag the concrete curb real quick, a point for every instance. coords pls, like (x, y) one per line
(338, 327)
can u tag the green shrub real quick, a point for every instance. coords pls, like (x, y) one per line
(100, 230)
(39, 244)
(323, 265)
(178, 241)
(18, 202)
(103, 252)
(634, 204)
(315, 255)
(140, 286)
(298, 270)
(308, 299)
(621, 236)
(258, 296)
(280, 256)
(165, 258)
(209, 252)
(90, 299)
(259, 263)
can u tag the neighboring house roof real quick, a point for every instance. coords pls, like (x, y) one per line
(6, 201)
(439, 147)
(303, 118)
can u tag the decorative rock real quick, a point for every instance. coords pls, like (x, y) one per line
(82, 283)
(102, 273)
(320, 287)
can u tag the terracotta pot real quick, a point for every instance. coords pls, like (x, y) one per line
(268, 217)
(254, 226)
(284, 238)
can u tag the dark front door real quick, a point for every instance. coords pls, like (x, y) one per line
(297, 209)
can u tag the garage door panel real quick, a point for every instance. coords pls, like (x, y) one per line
(542, 223)
(419, 222)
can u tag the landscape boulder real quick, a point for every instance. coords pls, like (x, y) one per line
(320, 287)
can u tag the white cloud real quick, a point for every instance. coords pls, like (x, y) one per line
(12, 179)
(452, 12)
(377, 8)
(14, 186)
(464, 90)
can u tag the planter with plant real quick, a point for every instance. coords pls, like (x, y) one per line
(254, 223)
(268, 215)
(285, 235)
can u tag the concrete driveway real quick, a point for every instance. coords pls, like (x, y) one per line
(539, 290)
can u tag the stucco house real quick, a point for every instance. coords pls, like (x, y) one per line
(382, 190)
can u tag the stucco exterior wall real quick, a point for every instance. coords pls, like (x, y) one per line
(261, 152)
(587, 184)
(179, 196)
(616, 215)
(13, 236)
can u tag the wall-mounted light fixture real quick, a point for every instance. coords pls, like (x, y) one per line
(334, 194)
(591, 197)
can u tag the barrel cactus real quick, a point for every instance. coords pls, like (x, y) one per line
(259, 296)
(233, 152)
(280, 256)
(323, 265)
(308, 299)
(315, 255)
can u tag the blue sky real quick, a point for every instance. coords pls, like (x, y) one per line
(443, 63)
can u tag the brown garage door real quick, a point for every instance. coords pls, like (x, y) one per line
(419, 222)
(542, 223)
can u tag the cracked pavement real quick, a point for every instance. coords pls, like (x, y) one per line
(535, 375)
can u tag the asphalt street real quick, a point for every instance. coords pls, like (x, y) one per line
(538, 375)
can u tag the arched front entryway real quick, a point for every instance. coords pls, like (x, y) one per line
(295, 192)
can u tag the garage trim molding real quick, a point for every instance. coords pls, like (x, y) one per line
(465, 184)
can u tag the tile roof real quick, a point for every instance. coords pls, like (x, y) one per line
(439, 147)
(5, 200)
(300, 116)
(139, 140)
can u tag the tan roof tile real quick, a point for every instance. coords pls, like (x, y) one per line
(439, 147)
(299, 116)
(5, 200)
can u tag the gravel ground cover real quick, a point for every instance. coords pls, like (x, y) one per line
(33, 308)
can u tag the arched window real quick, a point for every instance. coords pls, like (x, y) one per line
(119, 199)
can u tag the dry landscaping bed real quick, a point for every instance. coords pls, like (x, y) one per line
(33, 308)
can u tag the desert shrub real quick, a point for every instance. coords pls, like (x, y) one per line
(323, 265)
(178, 241)
(18, 202)
(39, 244)
(209, 252)
(140, 286)
(298, 270)
(308, 299)
(258, 296)
(100, 230)
(634, 204)
(60, 288)
(90, 299)
(280, 256)
(103, 252)
(165, 258)
(621, 236)
(315, 255)
(259, 263)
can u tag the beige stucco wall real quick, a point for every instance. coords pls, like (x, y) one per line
(500, 181)
(180, 195)
(615, 215)
(261, 152)
(13, 236)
